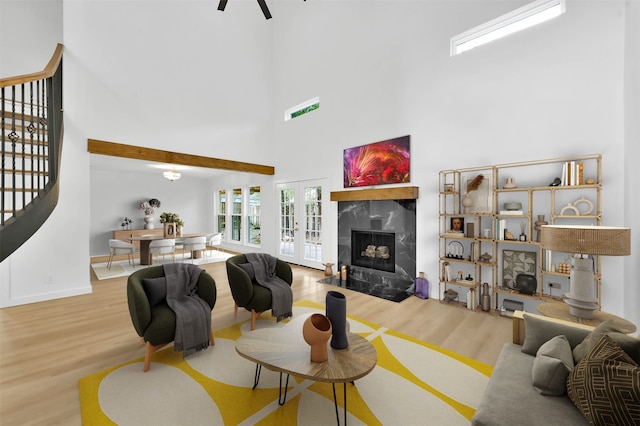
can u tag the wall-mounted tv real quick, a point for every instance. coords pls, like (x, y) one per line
(378, 163)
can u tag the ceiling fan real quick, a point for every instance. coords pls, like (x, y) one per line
(262, 3)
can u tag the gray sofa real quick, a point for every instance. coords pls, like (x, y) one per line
(510, 398)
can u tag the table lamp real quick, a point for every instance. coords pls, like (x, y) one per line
(584, 241)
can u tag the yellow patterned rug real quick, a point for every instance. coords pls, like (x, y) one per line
(413, 383)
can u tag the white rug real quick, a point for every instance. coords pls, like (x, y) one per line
(123, 268)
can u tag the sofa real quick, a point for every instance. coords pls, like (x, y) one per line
(537, 381)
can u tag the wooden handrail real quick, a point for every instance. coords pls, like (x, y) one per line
(47, 72)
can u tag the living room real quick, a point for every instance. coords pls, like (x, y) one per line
(183, 76)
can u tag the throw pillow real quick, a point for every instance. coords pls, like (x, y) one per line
(605, 385)
(156, 290)
(248, 268)
(553, 363)
(629, 344)
(539, 330)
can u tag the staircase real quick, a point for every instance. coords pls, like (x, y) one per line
(31, 129)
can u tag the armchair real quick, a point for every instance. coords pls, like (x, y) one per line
(246, 292)
(153, 319)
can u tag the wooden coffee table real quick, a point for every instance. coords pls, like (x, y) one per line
(283, 349)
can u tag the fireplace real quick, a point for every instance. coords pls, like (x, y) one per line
(373, 249)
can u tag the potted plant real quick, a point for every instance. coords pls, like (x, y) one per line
(172, 224)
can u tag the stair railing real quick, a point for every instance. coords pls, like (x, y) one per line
(32, 129)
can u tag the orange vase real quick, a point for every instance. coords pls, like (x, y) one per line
(316, 331)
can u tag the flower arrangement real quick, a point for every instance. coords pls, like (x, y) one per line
(126, 223)
(149, 207)
(171, 218)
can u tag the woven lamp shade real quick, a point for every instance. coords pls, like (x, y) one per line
(596, 240)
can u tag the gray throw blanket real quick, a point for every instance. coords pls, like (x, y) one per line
(193, 314)
(264, 266)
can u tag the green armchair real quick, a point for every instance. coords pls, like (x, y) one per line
(247, 293)
(153, 319)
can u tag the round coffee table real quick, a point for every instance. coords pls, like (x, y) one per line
(284, 350)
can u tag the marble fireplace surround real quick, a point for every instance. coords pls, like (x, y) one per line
(380, 213)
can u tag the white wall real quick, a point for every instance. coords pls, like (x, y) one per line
(185, 77)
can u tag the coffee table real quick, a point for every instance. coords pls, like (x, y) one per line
(283, 350)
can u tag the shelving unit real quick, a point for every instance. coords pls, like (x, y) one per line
(489, 226)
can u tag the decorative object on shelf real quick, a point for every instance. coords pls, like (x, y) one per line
(448, 187)
(457, 225)
(344, 273)
(513, 206)
(422, 286)
(486, 233)
(450, 295)
(508, 235)
(456, 250)
(316, 331)
(460, 275)
(469, 277)
(526, 284)
(569, 208)
(471, 298)
(485, 258)
(588, 209)
(538, 223)
(516, 262)
(564, 268)
(149, 209)
(477, 198)
(328, 270)
(590, 181)
(336, 311)
(509, 183)
(523, 236)
(585, 241)
(556, 182)
(485, 299)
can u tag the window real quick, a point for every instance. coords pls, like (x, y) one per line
(236, 214)
(253, 219)
(517, 20)
(222, 212)
(303, 108)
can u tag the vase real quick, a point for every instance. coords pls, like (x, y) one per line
(148, 222)
(538, 224)
(485, 299)
(316, 331)
(467, 203)
(336, 310)
(178, 230)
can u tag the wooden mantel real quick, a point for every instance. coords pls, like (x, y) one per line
(394, 193)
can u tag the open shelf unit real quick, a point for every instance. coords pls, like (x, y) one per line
(495, 243)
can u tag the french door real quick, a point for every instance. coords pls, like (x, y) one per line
(301, 207)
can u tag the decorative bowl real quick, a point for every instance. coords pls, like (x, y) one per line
(512, 206)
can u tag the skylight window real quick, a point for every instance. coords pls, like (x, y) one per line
(517, 20)
(303, 108)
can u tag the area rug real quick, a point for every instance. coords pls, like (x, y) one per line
(413, 383)
(123, 268)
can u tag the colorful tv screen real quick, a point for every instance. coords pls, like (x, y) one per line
(379, 163)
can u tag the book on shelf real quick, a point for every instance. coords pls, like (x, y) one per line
(572, 173)
(511, 213)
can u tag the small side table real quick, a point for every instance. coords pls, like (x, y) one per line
(561, 311)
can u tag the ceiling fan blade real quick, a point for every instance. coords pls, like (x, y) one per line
(265, 9)
(222, 5)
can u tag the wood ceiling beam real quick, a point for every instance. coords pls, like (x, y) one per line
(113, 149)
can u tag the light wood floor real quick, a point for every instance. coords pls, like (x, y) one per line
(46, 347)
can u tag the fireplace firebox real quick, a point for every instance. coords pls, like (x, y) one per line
(373, 249)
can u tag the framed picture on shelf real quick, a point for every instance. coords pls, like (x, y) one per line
(479, 189)
(516, 262)
(456, 225)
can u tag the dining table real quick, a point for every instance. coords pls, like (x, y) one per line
(145, 240)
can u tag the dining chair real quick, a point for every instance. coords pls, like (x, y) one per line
(165, 246)
(192, 244)
(214, 242)
(120, 247)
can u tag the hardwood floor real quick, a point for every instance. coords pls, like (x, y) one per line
(46, 347)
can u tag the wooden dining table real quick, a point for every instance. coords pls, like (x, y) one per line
(145, 240)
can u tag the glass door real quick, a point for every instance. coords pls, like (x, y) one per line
(301, 207)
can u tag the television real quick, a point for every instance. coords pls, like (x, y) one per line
(380, 163)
